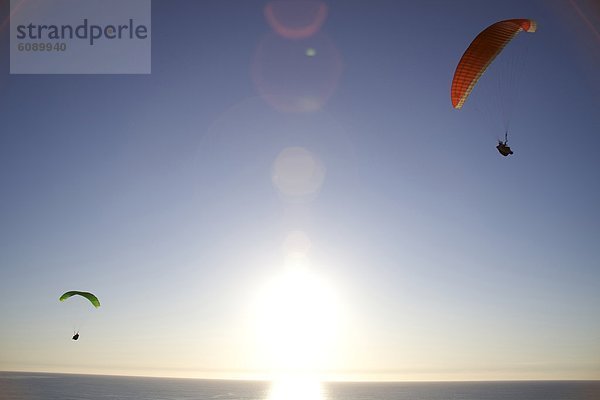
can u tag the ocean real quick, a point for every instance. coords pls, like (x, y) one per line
(37, 386)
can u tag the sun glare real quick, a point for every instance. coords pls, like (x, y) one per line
(296, 319)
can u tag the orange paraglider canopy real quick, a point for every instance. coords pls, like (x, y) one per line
(480, 54)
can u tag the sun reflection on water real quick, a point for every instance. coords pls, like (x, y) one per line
(296, 388)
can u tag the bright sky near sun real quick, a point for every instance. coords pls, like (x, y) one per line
(291, 191)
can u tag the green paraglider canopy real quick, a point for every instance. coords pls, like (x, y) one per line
(91, 297)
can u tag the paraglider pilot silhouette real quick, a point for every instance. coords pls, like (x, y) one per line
(91, 297)
(503, 146)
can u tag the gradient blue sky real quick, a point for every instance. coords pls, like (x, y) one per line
(156, 192)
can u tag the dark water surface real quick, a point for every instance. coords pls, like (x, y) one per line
(37, 386)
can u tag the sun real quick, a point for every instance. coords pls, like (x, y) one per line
(296, 318)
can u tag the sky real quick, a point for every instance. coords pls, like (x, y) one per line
(307, 200)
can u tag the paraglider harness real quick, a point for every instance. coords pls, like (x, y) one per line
(503, 147)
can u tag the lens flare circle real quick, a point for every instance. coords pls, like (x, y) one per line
(289, 79)
(297, 242)
(296, 19)
(297, 173)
